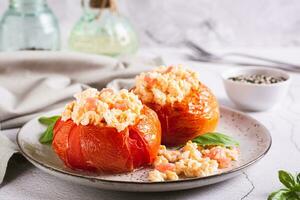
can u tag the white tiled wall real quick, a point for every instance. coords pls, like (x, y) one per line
(209, 22)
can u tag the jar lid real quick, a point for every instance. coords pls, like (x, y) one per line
(101, 3)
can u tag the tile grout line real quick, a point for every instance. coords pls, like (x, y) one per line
(252, 186)
(292, 139)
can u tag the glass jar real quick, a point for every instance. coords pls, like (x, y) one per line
(102, 30)
(29, 25)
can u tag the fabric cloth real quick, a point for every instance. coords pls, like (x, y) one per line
(35, 82)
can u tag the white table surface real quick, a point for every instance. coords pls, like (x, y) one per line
(24, 181)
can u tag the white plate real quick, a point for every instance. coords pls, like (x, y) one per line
(254, 138)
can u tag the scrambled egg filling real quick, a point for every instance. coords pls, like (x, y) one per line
(106, 107)
(191, 161)
(165, 85)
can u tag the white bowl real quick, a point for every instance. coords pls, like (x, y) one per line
(255, 97)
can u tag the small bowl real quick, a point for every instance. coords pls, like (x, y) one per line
(255, 97)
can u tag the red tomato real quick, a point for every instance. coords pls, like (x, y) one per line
(165, 167)
(197, 114)
(104, 149)
(61, 139)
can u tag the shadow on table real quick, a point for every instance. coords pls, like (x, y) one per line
(183, 194)
(227, 103)
(16, 166)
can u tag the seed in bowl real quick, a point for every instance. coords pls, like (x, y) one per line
(257, 79)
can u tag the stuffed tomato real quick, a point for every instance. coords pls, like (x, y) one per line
(107, 131)
(185, 107)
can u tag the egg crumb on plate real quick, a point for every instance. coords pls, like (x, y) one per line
(191, 161)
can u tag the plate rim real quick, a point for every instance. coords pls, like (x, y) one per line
(95, 179)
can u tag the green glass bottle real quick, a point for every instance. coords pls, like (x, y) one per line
(102, 30)
(29, 25)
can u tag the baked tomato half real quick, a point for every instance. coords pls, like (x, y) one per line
(196, 114)
(104, 149)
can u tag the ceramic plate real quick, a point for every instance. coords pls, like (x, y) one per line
(254, 138)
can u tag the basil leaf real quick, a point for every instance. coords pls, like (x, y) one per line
(284, 194)
(292, 192)
(297, 188)
(287, 179)
(214, 138)
(278, 195)
(48, 120)
(292, 195)
(47, 135)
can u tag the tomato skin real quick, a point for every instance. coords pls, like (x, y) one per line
(138, 149)
(103, 149)
(197, 114)
(150, 129)
(106, 149)
(60, 142)
(74, 153)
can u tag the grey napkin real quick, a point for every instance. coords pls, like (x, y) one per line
(32, 83)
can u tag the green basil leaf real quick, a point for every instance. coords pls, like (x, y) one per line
(287, 179)
(48, 120)
(292, 192)
(214, 138)
(278, 195)
(47, 135)
(297, 188)
(292, 195)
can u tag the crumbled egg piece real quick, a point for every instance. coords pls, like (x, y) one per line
(170, 175)
(190, 161)
(156, 176)
(166, 84)
(224, 156)
(106, 107)
(160, 160)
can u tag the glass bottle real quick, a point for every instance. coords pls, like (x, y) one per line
(102, 30)
(29, 25)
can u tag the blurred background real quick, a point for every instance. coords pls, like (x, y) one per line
(218, 23)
